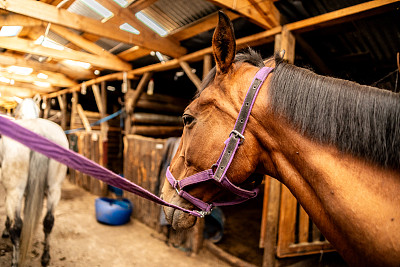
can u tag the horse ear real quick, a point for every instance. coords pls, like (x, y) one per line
(223, 43)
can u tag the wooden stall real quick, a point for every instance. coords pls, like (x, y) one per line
(143, 158)
(88, 144)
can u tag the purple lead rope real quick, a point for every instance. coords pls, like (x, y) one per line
(78, 162)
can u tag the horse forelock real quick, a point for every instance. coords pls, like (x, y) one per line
(249, 56)
(361, 120)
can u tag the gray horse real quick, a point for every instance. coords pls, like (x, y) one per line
(29, 175)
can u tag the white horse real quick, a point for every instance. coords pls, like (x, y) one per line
(29, 175)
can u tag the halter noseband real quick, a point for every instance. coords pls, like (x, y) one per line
(235, 139)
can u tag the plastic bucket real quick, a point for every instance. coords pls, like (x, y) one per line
(113, 211)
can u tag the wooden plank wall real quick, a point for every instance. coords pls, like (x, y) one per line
(158, 116)
(297, 234)
(89, 145)
(142, 160)
(142, 157)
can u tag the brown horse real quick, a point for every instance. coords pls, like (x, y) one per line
(335, 144)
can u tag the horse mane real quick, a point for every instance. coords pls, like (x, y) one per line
(357, 119)
(361, 120)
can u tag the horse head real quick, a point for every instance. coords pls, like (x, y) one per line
(208, 121)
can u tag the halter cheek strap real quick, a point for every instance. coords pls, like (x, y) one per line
(234, 140)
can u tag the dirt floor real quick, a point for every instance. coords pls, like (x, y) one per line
(79, 240)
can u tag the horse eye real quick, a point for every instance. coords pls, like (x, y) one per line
(187, 119)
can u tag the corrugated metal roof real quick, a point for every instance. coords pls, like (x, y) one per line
(173, 15)
(80, 8)
(112, 46)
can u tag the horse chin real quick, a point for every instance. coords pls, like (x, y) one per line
(178, 219)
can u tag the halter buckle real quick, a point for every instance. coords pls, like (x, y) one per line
(202, 213)
(238, 135)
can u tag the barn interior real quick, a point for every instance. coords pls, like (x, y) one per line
(117, 75)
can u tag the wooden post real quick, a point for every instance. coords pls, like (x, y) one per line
(131, 99)
(207, 64)
(47, 109)
(288, 44)
(284, 41)
(193, 77)
(62, 100)
(84, 119)
(104, 127)
(74, 109)
(271, 222)
(97, 98)
(198, 229)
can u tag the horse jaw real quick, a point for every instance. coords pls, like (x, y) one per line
(178, 219)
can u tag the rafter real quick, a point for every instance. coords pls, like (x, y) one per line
(134, 53)
(203, 25)
(262, 13)
(12, 59)
(81, 42)
(110, 30)
(9, 90)
(11, 19)
(34, 87)
(122, 15)
(54, 79)
(26, 46)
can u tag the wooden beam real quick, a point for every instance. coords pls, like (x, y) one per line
(133, 53)
(110, 30)
(12, 19)
(58, 79)
(123, 15)
(46, 111)
(227, 257)
(131, 99)
(109, 77)
(288, 44)
(17, 60)
(83, 118)
(192, 76)
(62, 82)
(62, 101)
(270, 221)
(74, 108)
(26, 46)
(202, 25)
(38, 89)
(104, 125)
(265, 14)
(97, 97)
(133, 96)
(343, 15)
(82, 42)
(9, 90)
(207, 64)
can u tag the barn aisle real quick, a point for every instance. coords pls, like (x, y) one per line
(79, 240)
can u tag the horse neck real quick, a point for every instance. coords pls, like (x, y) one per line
(353, 203)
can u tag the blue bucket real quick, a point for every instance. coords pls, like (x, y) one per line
(113, 211)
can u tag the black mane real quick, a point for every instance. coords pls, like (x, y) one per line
(361, 120)
(357, 119)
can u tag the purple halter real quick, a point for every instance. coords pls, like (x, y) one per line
(235, 139)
